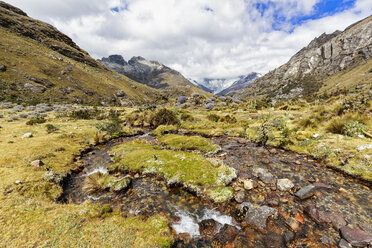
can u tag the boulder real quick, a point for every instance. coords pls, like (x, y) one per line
(26, 135)
(37, 163)
(33, 88)
(181, 99)
(356, 237)
(257, 216)
(264, 175)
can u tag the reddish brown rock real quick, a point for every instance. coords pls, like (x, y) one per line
(317, 215)
(356, 237)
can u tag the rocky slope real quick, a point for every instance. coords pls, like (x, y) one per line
(240, 84)
(216, 85)
(153, 74)
(40, 64)
(308, 70)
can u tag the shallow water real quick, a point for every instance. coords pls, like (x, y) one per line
(149, 195)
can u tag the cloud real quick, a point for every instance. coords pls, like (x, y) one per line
(214, 39)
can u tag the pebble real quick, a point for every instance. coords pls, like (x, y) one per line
(306, 192)
(284, 184)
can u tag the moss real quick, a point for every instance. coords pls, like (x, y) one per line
(163, 129)
(189, 169)
(99, 182)
(189, 143)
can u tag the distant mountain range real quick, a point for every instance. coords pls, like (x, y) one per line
(223, 86)
(152, 73)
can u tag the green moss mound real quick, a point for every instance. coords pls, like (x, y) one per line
(189, 143)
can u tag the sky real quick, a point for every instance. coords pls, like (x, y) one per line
(199, 38)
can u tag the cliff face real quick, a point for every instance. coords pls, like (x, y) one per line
(151, 73)
(325, 56)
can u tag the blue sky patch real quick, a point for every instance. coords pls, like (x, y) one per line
(320, 10)
(117, 9)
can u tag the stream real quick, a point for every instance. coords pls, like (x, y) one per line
(198, 223)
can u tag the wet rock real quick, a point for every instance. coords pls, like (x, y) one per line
(208, 228)
(356, 237)
(249, 184)
(26, 135)
(273, 199)
(294, 224)
(185, 237)
(306, 192)
(121, 184)
(264, 175)
(317, 215)
(228, 233)
(344, 244)
(338, 221)
(288, 236)
(325, 239)
(37, 163)
(239, 196)
(322, 186)
(2, 68)
(257, 216)
(274, 240)
(284, 184)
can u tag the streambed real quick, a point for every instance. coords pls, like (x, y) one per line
(215, 225)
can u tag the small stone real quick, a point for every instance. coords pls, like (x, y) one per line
(207, 228)
(293, 224)
(317, 215)
(326, 240)
(37, 163)
(356, 237)
(239, 196)
(284, 184)
(344, 244)
(306, 192)
(264, 175)
(248, 184)
(26, 135)
(338, 221)
(18, 182)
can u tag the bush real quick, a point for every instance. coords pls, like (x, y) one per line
(353, 128)
(164, 117)
(187, 117)
(50, 128)
(213, 117)
(114, 127)
(38, 120)
(228, 119)
(337, 125)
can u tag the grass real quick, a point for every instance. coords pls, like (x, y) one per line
(29, 213)
(189, 143)
(99, 182)
(188, 169)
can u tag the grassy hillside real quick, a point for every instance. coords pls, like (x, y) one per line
(43, 65)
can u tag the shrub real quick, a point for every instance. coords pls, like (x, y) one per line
(114, 127)
(213, 117)
(353, 128)
(38, 120)
(164, 117)
(187, 117)
(50, 128)
(99, 138)
(337, 124)
(228, 119)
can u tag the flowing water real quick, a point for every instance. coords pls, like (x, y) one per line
(211, 225)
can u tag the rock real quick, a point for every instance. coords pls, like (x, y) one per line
(272, 199)
(228, 233)
(344, 244)
(185, 237)
(239, 196)
(264, 175)
(37, 163)
(181, 99)
(325, 239)
(209, 106)
(257, 216)
(207, 228)
(249, 184)
(33, 88)
(356, 237)
(26, 135)
(18, 182)
(317, 215)
(294, 224)
(306, 192)
(120, 93)
(284, 184)
(2, 68)
(338, 221)
(363, 147)
(121, 184)
(322, 186)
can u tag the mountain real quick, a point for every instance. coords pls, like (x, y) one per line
(152, 74)
(215, 85)
(240, 84)
(38, 63)
(310, 70)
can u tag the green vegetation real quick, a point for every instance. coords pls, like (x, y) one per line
(99, 182)
(189, 143)
(189, 169)
(162, 129)
(165, 117)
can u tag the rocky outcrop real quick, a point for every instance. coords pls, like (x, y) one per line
(326, 55)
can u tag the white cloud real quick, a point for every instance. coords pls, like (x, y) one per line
(215, 39)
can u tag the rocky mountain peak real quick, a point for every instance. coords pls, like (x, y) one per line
(117, 59)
